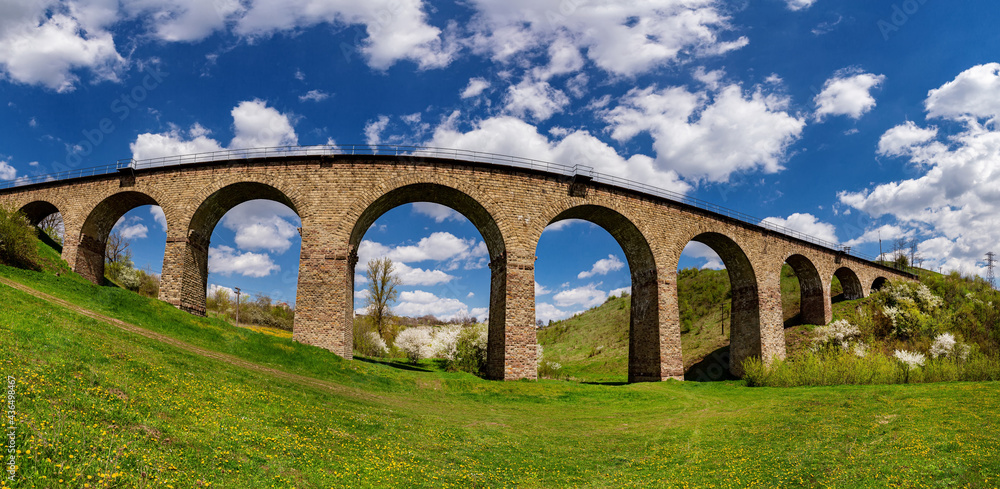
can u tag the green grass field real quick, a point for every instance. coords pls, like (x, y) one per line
(101, 406)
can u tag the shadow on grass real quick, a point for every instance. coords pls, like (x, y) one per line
(609, 383)
(795, 320)
(394, 364)
(712, 368)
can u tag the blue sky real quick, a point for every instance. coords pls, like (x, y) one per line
(845, 120)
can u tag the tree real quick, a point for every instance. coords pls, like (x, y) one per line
(382, 285)
(117, 250)
(53, 226)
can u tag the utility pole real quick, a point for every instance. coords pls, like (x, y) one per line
(237, 289)
(990, 256)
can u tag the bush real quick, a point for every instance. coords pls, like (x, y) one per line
(18, 240)
(416, 343)
(367, 341)
(470, 350)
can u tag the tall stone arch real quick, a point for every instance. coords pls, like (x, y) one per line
(850, 282)
(185, 271)
(38, 210)
(93, 237)
(645, 360)
(814, 304)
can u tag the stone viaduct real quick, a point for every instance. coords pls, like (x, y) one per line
(338, 197)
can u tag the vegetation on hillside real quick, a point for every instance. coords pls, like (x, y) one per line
(101, 407)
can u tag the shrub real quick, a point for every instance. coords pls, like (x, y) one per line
(416, 343)
(470, 350)
(18, 240)
(836, 334)
(910, 359)
(366, 340)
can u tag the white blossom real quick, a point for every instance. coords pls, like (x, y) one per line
(912, 359)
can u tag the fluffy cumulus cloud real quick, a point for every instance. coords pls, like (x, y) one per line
(7, 172)
(546, 312)
(806, 224)
(709, 135)
(158, 217)
(848, 93)
(535, 98)
(131, 228)
(475, 87)
(702, 251)
(952, 202)
(45, 42)
(262, 225)
(215, 288)
(438, 212)
(255, 125)
(623, 38)
(421, 303)
(602, 267)
(226, 261)
(586, 296)
(445, 250)
(512, 136)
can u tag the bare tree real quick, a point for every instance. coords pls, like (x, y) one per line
(382, 285)
(53, 226)
(117, 249)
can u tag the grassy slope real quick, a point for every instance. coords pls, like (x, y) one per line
(593, 346)
(131, 412)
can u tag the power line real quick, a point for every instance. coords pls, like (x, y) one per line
(990, 256)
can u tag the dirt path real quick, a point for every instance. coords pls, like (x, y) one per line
(222, 357)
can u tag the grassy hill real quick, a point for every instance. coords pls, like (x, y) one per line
(593, 346)
(117, 390)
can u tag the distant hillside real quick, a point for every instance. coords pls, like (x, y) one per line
(593, 346)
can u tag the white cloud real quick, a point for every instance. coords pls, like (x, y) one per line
(541, 289)
(362, 294)
(887, 233)
(535, 97)
(709, 136)
(900, 140)
(212, 288)
(509, 135)
(7, 172)
(173, 142)
(971, 93)
(438, 212)
(624, 38)
(262, 225)
(619, 292)
(158, 216)
(848, 93)
(475, 87)
(255, 125)
(134, 231)
(587, 296)
(563, 224)
(439, 247)
(953, 203)
(46, 43)
(799, 4)
(807, 224)
(373, 130)
(314, 96)
(602, 267)
(695, 249)
(420, 303)
(397, 29)
(226, 261)
(547, 312)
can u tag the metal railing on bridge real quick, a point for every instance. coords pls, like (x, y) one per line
(426, 152)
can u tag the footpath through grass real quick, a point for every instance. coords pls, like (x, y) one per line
(104, 407)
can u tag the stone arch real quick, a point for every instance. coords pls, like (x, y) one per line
(879, 283)
(644, 360)
(850, 282)
(97, 227)
(194, 271)
(483, 220)
(38, 210)
(746, 334)
(813, 304)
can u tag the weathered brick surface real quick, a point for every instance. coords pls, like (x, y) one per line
(338, 198)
